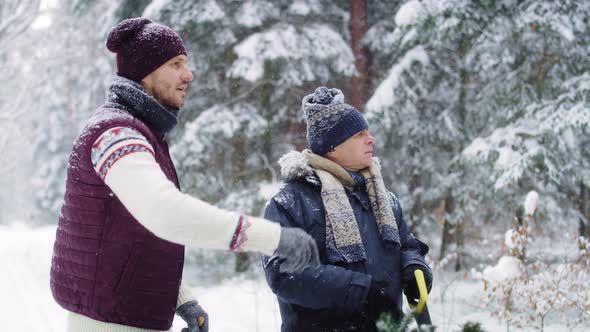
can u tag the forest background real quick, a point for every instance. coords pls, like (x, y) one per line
(473, 105)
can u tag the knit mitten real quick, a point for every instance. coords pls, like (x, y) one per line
(193, 314)
(298, 250)
(409, 281)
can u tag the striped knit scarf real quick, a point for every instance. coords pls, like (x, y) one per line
(343, 239)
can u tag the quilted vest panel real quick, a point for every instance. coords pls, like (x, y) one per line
(105, 264)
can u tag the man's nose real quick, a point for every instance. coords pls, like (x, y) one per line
(188, 75)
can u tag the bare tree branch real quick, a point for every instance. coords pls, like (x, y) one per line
(16, 16)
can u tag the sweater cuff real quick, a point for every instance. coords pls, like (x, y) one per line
(184, 295)
(256, 234)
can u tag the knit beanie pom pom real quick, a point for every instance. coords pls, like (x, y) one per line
(322, 95)
(124, 31)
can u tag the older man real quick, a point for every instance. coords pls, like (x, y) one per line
(335, 193)
(119, 254)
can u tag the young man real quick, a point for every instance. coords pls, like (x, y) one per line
(335, 192)
(118, 254)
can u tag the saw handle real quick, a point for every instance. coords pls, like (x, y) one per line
(419, 307)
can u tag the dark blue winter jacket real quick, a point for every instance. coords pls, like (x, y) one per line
(332, 297)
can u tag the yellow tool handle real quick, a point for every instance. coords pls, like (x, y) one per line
(200, 320)
(419, 307)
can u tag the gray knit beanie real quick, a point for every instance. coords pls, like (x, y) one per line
(329, 120)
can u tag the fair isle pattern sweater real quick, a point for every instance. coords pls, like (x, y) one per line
(124, 160)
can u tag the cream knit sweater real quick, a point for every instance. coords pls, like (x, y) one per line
(139, 183)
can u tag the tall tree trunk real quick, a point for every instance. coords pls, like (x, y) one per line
(584, 227)
(460, 240)
(462, 109)
(358, 26)
(265, 103)
(447, 231)
(416, 208)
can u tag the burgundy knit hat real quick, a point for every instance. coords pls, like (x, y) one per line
(142, 46)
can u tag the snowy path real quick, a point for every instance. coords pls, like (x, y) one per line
(26, 303)
(235, 305)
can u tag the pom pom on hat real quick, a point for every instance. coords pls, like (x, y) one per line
(125, 31)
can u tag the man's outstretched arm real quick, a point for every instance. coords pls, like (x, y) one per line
(138, 182)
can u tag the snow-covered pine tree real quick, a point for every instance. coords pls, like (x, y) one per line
(538, 134)
(425, 111)
(463, 70)
(254, 61)
(70, 70)
(16, 18)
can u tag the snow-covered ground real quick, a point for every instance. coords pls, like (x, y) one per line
(26, 304)
(234, 305)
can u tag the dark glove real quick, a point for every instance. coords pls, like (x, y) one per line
(190, 312)
(409, 283)
(297, 249)
(377, 299)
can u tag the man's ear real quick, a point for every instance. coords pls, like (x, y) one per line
(146, 83)
(329, 155)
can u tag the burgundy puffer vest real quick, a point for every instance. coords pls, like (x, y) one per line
(105, 264)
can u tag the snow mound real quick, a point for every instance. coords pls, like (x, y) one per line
(508, 267)
(530, 203)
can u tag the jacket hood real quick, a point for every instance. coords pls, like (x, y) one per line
(294, 165)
